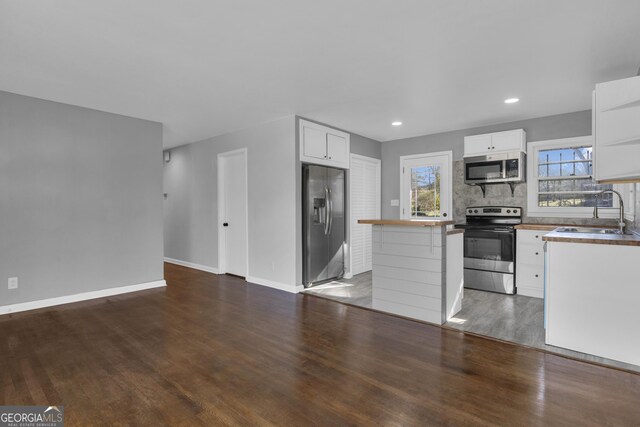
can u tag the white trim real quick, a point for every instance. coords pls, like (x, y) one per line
(449, 154)
(378, 164)
(221, 233)
(67, 299)
(193, 265)
(275, 285)
(533, 209)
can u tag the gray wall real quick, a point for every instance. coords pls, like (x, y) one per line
(191, 208)
(539, 129)
(80, 199)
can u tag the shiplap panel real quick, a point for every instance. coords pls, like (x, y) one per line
(410, 275)
(425, 264)
(415, 288)
(408, 271)
(407, 250)
(408, 311)
(415, 236)
(401, 297)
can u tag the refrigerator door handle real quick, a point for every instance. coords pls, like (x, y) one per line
(330, 215)
(326, 210)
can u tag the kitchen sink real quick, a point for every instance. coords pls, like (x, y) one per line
(587, 230)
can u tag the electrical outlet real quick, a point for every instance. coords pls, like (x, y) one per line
(13, 283)
(395, 202)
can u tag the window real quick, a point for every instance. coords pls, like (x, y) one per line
(425, 183)
(560, 181)
(425, 191)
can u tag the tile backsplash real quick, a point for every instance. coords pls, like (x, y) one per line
(635, 225)
(500, 195)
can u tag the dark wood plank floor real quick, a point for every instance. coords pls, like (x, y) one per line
(212, 350)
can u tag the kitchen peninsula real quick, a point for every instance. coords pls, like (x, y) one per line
(417, 268)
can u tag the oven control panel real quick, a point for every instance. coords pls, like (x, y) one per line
(508, 211)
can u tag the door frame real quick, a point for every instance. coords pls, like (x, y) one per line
(449, 201)
(378, 163)
(222, 241)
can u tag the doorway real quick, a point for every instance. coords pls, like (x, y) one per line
(233, 213)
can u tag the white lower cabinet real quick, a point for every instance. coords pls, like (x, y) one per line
(591, 303)
(530, 263)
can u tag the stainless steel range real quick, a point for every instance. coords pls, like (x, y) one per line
(490, 248)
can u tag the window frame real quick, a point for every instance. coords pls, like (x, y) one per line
(446, 203)
(533, 209)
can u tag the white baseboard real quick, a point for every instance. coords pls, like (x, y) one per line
(348, 276)
(193, 265)
(530, 292)
(276, 285)
(50, 302)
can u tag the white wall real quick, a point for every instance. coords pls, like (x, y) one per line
(191, 209)
(80, 200)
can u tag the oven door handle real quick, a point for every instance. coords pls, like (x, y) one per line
(493, 230)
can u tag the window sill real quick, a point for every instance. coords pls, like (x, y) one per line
(608, 214)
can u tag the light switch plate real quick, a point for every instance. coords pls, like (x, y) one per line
(395, 202)
(12, 283)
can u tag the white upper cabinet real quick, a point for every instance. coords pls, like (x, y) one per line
(323, 145)
(493, 143)
(616, 122)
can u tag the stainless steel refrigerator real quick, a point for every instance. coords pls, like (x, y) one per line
(323, 222)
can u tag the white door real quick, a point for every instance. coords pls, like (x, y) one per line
(232, 212)
(364, 202)
(426, 183)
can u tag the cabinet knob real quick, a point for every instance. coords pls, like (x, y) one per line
(537, 237)
(536, 275)
(329, 157)
(536, 253)
(488, 148)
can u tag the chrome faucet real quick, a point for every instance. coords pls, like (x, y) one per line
(621, 224)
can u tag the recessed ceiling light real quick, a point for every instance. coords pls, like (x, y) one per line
(511, 100)
(396, 124)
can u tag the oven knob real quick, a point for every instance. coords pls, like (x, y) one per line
(515, 211)
(470, 211)
(476, 211)
(509, 211)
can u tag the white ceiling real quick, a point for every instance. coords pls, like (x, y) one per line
(204, 68)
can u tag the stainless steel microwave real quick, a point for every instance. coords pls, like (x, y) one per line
(495, 168)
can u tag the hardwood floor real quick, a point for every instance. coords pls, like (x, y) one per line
(212, 350)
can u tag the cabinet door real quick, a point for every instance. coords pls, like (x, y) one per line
(507, 141)
(617, 130)
(337, 150)
(477, 145)
(314, 143)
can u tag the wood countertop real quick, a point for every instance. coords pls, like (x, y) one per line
(407, 222)
(551, 227)
(455, 231)
(601, 239)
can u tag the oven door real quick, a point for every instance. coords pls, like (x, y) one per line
(489, 249)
